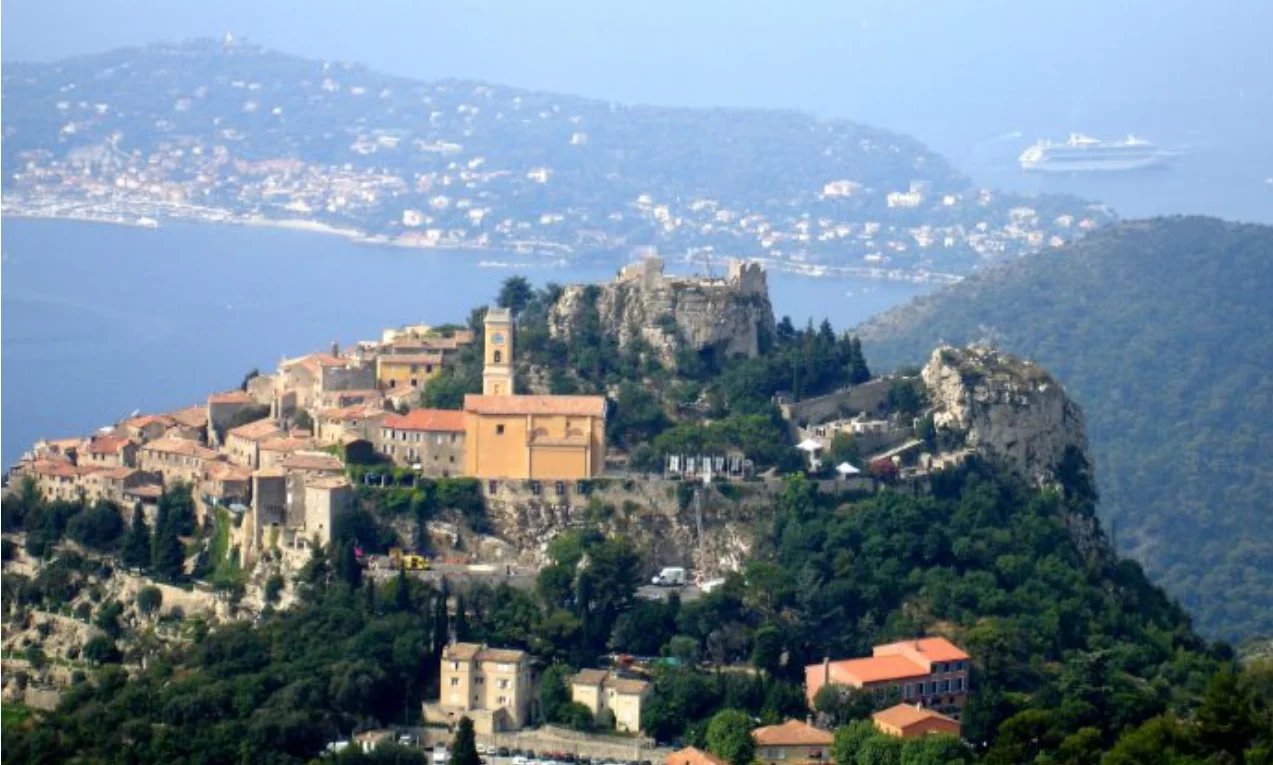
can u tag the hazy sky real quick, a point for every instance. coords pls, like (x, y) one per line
(946, 70)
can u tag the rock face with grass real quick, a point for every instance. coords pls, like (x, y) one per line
(1008, 410)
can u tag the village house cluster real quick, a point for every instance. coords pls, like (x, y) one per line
(272, 454)
(926, 680)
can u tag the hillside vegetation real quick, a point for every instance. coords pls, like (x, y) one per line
(1161, 329)
(1074, 653)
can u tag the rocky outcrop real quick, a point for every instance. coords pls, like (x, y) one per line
(710, 535)
(1009, 411)
(728, 316)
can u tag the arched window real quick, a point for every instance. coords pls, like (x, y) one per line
(499, 356)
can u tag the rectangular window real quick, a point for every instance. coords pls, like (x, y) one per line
(491, 486)
(909, 690)
(499, 430)
(503, 683)
(959, 684)
(455, 681)
(945, 686)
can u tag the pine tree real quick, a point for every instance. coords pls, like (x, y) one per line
(136, 552)
(441, 621)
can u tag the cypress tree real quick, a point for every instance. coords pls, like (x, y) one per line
(136, 552)
(464, 747)
(167, 556)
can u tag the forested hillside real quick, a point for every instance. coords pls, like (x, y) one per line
(1163, 331)
(1075, 653)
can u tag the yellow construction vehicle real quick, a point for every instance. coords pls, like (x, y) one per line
(400, 561)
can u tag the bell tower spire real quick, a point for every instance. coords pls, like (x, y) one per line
(497, 375)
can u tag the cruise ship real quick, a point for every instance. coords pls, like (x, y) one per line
(1082, 154)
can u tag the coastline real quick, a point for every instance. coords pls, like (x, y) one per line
(546, 254)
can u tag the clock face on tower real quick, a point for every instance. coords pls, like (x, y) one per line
(498, 338)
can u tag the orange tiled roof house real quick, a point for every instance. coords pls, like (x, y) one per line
(932, 672)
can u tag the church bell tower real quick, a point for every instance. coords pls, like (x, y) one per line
(497, 375)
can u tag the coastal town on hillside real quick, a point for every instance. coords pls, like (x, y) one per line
(274, 469)
(537, 177)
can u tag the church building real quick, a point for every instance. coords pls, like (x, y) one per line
(509, 436)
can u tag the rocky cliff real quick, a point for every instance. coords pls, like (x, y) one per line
(1007, 410)
(728, 316)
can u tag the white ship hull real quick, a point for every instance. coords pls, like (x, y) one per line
(1091, 166)
(1081, 154)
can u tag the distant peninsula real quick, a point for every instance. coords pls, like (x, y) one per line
(219, 132)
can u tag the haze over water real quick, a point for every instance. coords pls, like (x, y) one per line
(976, 81)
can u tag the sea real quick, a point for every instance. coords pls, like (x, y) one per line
(100, 321)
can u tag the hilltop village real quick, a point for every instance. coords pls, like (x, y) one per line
(581, 504)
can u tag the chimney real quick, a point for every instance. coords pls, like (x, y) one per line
(335, 348)
(826, 670)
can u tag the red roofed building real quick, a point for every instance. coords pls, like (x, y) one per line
(930, 671)
(109, 451)
(692, 756)
(430, 438)
(907, 721)
(792, 742)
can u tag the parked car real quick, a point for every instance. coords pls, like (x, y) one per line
(502, 751)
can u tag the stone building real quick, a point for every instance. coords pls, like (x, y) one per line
(243, 444)
(308, 377)
(108, 452)
(432, 439)
(611, 697)
(408, 369)
(222, 407)
(491, 686)
(176, 459)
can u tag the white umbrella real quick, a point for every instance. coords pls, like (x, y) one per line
(846, 470)
(809, 445)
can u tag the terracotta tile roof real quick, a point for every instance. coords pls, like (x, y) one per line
(270, 472)
(594, 406)
(355, 412)
(65, 444)
(402, 359)
(191, 416)
(873, 669)
(905, 715)
(627, 686)
(145, 491)
(931, 648)
(62, 469)
(692, 756)
(503, 655)
(119, 473)
(230, 397)
(148, 419)
(792, 733)
(461, 651)
(107, 444)
(328, 482)
(430, 420)
(226, 471)
(312, 461)
(286, 444)
(180, 446)
(259, 430)
(589, 677)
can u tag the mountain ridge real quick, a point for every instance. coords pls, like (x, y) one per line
(1155, 326)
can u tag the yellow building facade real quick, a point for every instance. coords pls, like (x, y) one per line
(508, 436)
(407, 370)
